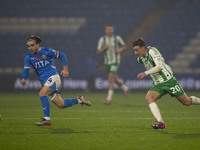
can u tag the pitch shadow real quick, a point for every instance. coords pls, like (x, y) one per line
(65, 131)
(182, 135)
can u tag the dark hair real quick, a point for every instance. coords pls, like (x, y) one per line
(139, 42)
(37, 39)
(109, 25)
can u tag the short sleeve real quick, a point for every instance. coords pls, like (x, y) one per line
(120, 40)
(100, 43)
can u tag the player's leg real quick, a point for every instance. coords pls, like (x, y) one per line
(50, 86)
(111, 79)
(55, 96)
(187, 101)
(44, 92)
(57, 100)
(151, 97)
(112, 70)
(175, 89)
(46, 106)
(184, 99)
(122, 85)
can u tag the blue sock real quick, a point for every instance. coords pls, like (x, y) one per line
(46, 106)
(70, 102)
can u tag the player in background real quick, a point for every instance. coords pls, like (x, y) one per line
(42, 60)
(163, 80)
(111, 45)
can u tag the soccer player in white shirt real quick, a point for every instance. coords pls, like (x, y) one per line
(111, 45)
(163, 79)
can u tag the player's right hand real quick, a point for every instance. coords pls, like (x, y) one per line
(23, 82)
(141, 75)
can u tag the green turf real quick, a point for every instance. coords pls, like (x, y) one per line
(124, 125)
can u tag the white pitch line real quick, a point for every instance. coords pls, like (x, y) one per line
(134, 118)
(103, 111)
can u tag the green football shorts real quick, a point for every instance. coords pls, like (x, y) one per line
(172, 87)
(112, 68)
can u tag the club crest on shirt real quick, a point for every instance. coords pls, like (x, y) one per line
(44, 56)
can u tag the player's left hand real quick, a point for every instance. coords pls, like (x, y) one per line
(64, 73)
(23, 82)
(141, 75)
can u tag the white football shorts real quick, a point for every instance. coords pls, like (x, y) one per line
(53, 82)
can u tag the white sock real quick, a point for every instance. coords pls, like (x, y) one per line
(110, 94)
(47, 118)
(195, 100)
(79, 101)
(124, 88)
(155, 111)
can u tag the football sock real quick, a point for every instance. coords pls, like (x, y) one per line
(46, 106)
(195, 100)
(110, 94)
(47, 118)
(70, 102)
(124, 88)
(155, 111)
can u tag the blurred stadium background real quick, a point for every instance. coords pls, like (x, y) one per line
(74, 27)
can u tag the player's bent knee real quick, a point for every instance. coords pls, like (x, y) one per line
(111, 77)
(60, 105)
(149, 99)
(185, 101)
(42, 94)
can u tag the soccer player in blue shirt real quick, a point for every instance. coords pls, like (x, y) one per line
(42, 60)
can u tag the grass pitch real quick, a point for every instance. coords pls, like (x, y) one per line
(123, 125)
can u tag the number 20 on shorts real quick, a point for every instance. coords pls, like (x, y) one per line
(175, 89)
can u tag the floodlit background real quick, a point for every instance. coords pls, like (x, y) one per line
(74, 27)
